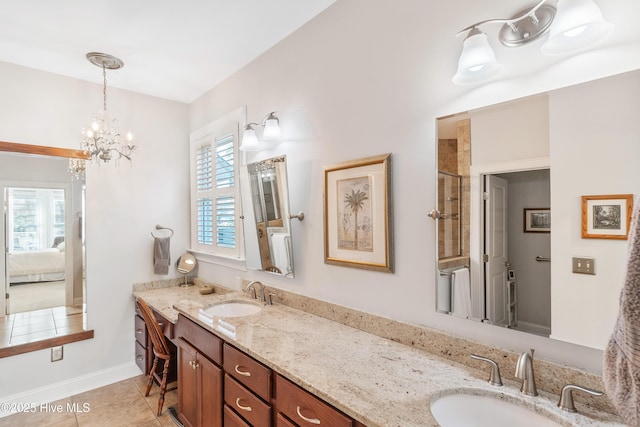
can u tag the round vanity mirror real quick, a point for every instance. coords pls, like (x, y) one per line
(186, 263)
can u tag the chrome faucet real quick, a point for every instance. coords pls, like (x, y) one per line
(524, 372)
(251, 288)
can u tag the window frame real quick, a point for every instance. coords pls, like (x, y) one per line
(220, 128)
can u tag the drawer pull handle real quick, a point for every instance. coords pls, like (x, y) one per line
(244, 408)
(139, 358)
(139, 331)
(243, 373)
(309, 420)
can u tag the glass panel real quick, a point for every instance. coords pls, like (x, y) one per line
(449, 236)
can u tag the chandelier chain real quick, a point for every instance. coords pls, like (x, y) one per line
(104, 87)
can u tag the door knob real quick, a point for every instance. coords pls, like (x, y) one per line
(434, 214)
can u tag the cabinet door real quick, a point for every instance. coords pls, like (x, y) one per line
(210, 392)
(187, 385)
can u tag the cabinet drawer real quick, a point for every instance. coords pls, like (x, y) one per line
(248, 371)
(282, 421)
(140, 331)
(231, 419)
(245, 403)
(305, 409)
(141, 357)
(206, 342)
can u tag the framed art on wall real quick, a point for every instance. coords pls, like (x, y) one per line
(358, 221)
(607, 216)
(537, 220)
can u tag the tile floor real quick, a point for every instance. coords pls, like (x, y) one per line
(21, 328)
(119, 404)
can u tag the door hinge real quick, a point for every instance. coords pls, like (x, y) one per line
(485, 258)
(6, 296)
(485, 195)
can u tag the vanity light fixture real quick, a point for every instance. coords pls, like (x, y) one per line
(271, 133)
(102, 139)
(575, 25)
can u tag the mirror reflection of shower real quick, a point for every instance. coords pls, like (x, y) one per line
(449, 231)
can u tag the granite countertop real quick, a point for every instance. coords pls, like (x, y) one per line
(374, 380)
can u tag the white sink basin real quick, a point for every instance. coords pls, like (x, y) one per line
(231, 309)
(455, 410)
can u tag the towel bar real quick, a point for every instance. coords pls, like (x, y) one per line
(450, 272)
(160, 227)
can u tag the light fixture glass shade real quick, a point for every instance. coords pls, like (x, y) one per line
(578, 24)
(477, 61)
(249, 139)
(272, 130)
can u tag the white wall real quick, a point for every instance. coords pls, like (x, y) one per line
(591, 159)
(370, 77)
(123, 205)
(365, 77)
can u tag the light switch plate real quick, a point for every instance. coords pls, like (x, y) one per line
(584, 265)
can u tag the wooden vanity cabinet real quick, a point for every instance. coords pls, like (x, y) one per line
(219, 385)
(200, 376)
(144, 348)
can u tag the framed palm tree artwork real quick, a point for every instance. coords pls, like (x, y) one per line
(358, 220)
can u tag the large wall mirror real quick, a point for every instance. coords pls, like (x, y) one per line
(43, 266)
(510, 181)
(267, 226)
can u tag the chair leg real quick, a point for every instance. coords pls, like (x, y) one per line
(163, 385)
(153, 369)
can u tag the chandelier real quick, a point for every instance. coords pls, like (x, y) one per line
(101, 140)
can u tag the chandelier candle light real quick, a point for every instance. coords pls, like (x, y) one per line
(102, 139)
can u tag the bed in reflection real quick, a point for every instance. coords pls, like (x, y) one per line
(43, 265)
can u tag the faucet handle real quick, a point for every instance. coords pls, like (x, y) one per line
(494, 377)
(566, 397)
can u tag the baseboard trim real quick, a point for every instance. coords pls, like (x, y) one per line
(70, 387)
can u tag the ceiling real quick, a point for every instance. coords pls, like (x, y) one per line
(171, 49)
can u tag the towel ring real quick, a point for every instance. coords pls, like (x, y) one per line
(160, 227)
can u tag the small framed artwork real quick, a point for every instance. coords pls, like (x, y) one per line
(537, 220)
(358, 223)
(606, 217)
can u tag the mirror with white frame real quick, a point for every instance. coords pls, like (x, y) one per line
(510, 181)
(44, 241)
(267, 227)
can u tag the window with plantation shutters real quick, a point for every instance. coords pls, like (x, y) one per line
(216, 226)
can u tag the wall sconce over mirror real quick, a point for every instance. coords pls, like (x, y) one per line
(270, 133)
(572, 26)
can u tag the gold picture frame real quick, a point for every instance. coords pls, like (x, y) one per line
(606, 216)
(358, 220)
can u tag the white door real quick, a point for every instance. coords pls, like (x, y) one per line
(495, 214)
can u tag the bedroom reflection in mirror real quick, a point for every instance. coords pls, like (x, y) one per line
(42, 270)
(36, 223)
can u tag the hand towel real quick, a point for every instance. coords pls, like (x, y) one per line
(621, 370)
(461, 292)
(161, 255)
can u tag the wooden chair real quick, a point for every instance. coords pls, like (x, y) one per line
(160, 351)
